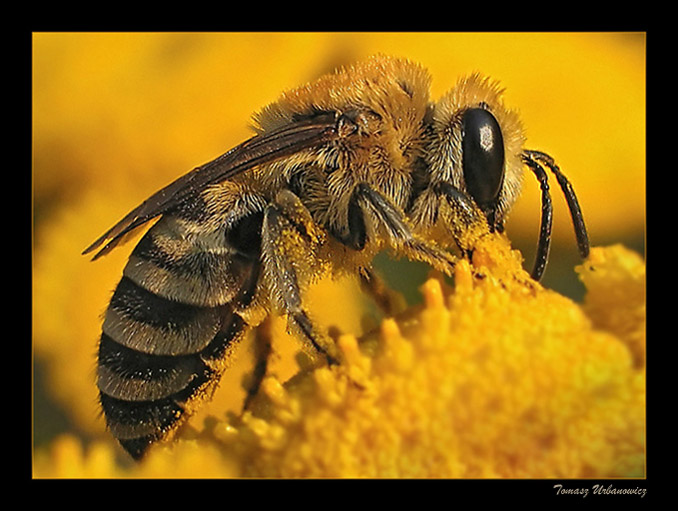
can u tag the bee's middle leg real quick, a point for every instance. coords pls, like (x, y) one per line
(367, 203)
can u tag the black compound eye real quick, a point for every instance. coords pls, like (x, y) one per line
(482, 155)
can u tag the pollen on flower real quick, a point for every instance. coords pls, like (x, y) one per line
(433, 292)
(275, 391)
(357, 363)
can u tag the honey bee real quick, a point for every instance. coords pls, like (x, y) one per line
(357, 162)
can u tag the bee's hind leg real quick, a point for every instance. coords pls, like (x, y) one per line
(288, 239)
(262, 353)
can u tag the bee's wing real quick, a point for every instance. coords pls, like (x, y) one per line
(257, 150)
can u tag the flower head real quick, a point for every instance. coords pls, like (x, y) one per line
(495, 377)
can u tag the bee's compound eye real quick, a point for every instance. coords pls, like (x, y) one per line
(482, 155)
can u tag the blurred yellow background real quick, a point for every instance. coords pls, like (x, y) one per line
(116, 116)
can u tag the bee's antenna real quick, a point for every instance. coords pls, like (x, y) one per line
(534, 160)
(572, 202)
(546, 216)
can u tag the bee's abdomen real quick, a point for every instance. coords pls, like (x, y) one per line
(167, 330)
(144, 396)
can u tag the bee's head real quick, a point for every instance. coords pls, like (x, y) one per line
(476, 144)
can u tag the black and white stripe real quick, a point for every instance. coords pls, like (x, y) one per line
(170, 324)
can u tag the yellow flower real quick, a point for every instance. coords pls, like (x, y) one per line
(616, 297)
(497, 377)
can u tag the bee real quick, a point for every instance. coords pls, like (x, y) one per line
(356, 162)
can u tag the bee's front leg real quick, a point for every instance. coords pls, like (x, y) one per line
(444, 204)
(465, 220)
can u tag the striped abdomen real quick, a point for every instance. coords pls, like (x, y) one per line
(170, 324)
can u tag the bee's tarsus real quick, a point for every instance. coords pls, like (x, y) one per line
(459, 201)
(387, 300)
(262, 353)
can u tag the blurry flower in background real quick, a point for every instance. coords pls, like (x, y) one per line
(117, 116)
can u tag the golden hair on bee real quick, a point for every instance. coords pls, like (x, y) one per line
(358, 161)
(386, 100)
(379, 82)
